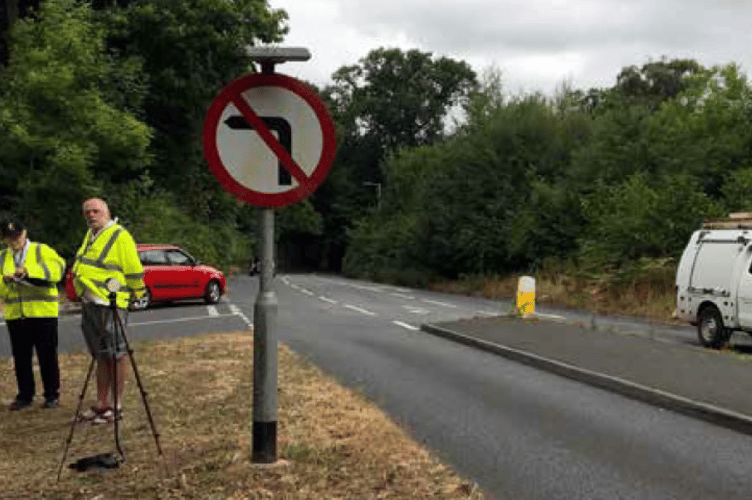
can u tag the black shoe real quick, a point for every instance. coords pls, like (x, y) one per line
(19, 404)
(51, 404)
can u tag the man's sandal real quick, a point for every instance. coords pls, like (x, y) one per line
(107, 416)
(98, 416)
(88, 415)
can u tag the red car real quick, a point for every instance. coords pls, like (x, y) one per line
(171, 273)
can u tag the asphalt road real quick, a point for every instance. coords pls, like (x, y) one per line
(162, 321)
(519, 432)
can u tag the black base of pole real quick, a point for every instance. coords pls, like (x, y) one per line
(264, 442)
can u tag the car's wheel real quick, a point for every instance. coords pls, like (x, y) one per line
(710, 329)
(212, 292)
(141, 303)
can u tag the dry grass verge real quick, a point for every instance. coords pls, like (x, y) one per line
(650, 298)
(332, 443)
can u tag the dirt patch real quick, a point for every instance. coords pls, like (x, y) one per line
(332, 443)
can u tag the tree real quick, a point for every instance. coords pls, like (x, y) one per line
(707, 130)
(63, 139)
(394, 99)
(643, 217)
(617, 148)
(190, 50)
(652, 84)
(389, 101)
(489, 200)
(10, 12)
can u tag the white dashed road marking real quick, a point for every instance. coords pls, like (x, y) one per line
(177, 320)
(405, 325)
(488, 313)
(552, 316)
(437, 303)
(325, 299)
(238, 312)
(369, 288)
(358, 309)
(415, 310)
(212, 310)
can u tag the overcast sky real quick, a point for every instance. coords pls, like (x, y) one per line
(537, 44)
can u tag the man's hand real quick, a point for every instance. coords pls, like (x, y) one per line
(17, 276)
(20, 273)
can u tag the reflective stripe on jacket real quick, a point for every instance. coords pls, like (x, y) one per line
(25, 300)
(111, 255)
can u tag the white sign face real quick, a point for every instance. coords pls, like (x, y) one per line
(245, 155)
(269, 139)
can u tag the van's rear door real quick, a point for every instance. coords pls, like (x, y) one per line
(744, 291)
(713, 269)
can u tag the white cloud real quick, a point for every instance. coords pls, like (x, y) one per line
(537, 44)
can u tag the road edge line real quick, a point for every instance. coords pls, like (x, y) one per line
(656, 397)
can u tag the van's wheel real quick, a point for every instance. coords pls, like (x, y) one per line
(212, 293)
(710, 329)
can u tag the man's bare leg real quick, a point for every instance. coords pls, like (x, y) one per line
(104, 381)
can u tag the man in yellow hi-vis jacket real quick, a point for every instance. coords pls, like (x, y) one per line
(108, 252)
(30, 273)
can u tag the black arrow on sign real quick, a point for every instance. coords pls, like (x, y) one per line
(276, 124)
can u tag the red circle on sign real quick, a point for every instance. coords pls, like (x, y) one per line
(234, 91)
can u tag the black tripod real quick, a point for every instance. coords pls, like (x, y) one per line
(108, 460)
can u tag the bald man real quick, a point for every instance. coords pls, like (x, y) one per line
(108, 252)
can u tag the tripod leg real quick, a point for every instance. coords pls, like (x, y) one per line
(140, 386)
(115, 410)
(114, 378)
(75, 416)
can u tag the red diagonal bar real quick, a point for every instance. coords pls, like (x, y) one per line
(271, 141)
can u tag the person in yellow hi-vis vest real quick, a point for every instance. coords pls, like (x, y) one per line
(108, 251)
(30, 274)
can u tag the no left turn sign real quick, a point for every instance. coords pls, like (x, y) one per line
(269, 139)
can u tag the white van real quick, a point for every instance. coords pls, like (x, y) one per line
(714, 279)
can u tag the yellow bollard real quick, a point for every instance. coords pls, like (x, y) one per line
(526, 296)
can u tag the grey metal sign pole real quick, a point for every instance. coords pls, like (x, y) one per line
(264, 431)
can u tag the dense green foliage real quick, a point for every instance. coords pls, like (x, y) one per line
(437, 174)
(60, 123)
(604, 179)
(107, 99)
(388, 102)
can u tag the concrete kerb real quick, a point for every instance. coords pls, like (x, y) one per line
(656, 397)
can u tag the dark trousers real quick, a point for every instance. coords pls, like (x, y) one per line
(26, 335)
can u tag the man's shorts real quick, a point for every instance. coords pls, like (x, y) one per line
(104, 335)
